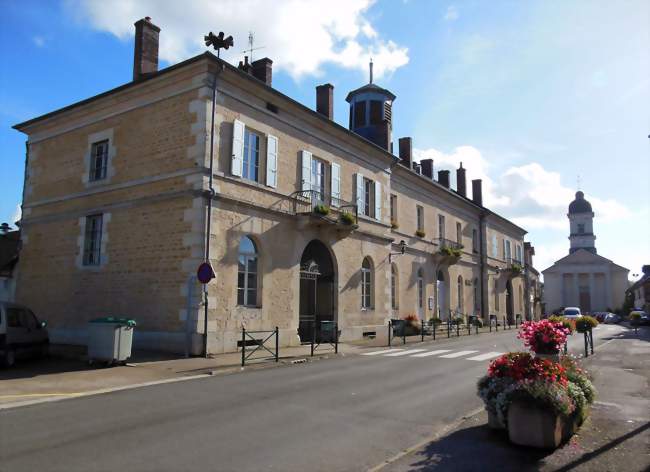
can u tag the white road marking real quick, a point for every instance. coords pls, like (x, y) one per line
(431, 353)
(484, 357)
(457, 354)
(381, 352)
(404, 353)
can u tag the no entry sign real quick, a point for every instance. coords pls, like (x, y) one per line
(205, 273)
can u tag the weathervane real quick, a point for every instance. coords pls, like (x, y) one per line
(251, 39)
(218, 41)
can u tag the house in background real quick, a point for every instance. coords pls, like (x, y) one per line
(640, 290)
(9, 249)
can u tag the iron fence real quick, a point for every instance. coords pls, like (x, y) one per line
(325, 332)
(259, 344)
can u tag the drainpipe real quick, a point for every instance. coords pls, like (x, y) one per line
(485, 305)
(211, 194)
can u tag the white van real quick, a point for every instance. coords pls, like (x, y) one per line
(572, 312)
(21, 334)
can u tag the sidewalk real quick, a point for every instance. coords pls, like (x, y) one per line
(615, 437)
(32, 381)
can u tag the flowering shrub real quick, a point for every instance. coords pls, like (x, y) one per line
(563, 388)
(543, 336)
(584, 323)
(566, 322)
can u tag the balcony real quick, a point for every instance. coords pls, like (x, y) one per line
(514, 267)
(449, 252)
(322, 209)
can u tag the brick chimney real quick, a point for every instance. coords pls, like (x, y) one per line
(427, 167)
(263, 70)
(406, 151)
(145, 54)
(461, 181)
(325, 100)
(477, 192)
(443, 178)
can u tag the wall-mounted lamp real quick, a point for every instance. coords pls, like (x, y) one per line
(402, 250)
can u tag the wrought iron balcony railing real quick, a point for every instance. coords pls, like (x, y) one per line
(324, 205)
(442, 242)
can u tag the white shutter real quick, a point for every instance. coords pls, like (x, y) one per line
(359, 193)
(377, 201)
(336, 184)
(237, 160)
(306, 170)
(271, 161)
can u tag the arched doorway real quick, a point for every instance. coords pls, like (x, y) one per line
(509, 303)
(441, 296)
(317, 289)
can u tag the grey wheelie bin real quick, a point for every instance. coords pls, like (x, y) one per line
(110, 339)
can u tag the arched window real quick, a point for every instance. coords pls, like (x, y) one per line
(247, 273)
(420, 278)
(366, 284)
(393, 287)
(460, 294)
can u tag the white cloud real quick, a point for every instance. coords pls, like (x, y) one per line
(39, 41)
(451, 14)
(299, 36)
(530, 195)
(18, 214)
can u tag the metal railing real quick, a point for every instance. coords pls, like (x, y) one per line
(327, 333)
(443, 242)
(307, 201)
(260, 344)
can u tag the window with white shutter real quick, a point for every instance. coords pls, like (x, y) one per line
(306, 171)
(271, 161)
(336, 184)
(359, 192)
(377, 201)
(237, 159)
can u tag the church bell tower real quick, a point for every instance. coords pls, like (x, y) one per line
(581, 219)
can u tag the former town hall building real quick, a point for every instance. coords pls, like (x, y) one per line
(309, 220)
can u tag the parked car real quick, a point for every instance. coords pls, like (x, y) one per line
(600, 316)
(572, 313)
(22, 335)
(645, 318)
(612, 318)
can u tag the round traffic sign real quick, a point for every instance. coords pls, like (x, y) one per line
(205, 273)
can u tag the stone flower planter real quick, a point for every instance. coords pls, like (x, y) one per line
(551, 355)
(537, 427)
(494, 422)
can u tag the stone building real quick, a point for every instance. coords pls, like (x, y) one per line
(583, 278)
(640, 290)
(307, 219)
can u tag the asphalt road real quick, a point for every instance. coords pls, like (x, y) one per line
(344, 414)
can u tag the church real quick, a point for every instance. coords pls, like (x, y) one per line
(584, 278)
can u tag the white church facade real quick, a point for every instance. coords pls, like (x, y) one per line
(583, 278)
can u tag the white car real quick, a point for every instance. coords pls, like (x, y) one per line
(572, 313)
(21, 334)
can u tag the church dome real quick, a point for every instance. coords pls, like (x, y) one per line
(580, 205)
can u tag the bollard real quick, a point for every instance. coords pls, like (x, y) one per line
(448, 329)
(434, 329)
(243, 346)
(422, 330)
(476, 326)
(313, 336)
(389, 331)
(586, 345)
(457, 329)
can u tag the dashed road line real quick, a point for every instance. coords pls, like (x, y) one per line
(431, 353)
(376, 353)
(457, 354)
(484, 357)
(404, 353)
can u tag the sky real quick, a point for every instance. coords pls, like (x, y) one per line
(537, 98)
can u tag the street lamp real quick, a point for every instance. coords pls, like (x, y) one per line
(402, 250)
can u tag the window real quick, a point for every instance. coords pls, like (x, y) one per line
(518, 253)
(368, 195)
(93, 241)
(247, 273)
(459, 233)
(474, 241)
(376, 109)
(14, 318)
(359, 114)
(460, 294)
(366, 284)
(581, 228)
(251, 164)
(318, 177)
(495, 246)
(393, 287)
(420, 288)
(508, 251)
(393, 209)
(420, 217)
(98, 160)
(441, 226)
